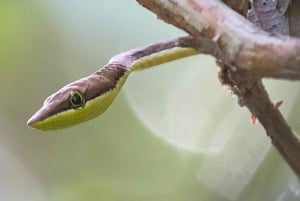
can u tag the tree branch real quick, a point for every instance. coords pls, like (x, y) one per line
(246, 53)
(241, 43)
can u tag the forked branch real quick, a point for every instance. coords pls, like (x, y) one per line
(246, 54)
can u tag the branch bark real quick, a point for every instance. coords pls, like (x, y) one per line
(242, 44)
(246, 54)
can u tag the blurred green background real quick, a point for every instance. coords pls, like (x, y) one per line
(173, 134)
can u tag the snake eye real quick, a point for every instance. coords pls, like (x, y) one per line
(76, 100)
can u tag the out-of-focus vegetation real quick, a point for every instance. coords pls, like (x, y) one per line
(172, 134)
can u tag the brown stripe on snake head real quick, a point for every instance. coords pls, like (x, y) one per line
(104, 80)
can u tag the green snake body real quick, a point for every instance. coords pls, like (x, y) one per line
(88, 97)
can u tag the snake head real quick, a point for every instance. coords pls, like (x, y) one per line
(76, 102)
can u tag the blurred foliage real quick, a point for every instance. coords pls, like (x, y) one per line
(173, 135)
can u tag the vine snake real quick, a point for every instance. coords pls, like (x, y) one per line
(88, 97)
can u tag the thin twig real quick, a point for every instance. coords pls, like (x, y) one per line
(252, 94)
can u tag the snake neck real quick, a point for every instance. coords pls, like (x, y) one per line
(161, 57)
(152, 55)
(114, 74)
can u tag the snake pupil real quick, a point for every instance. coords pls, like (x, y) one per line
(77, 100)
